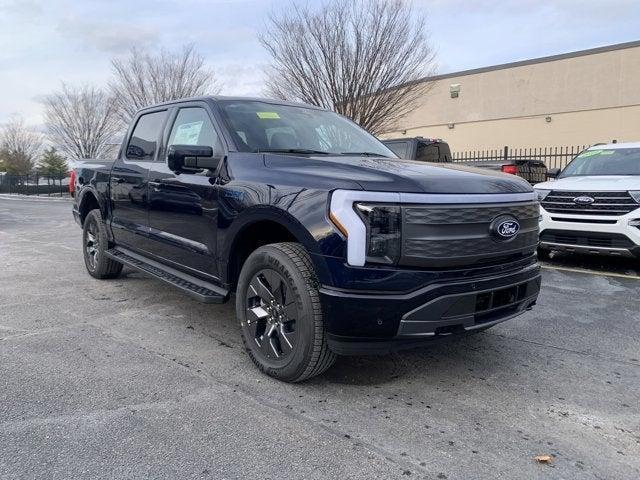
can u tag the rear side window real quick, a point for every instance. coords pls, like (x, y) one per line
(428, 153)
(401, 149)
(144, 139)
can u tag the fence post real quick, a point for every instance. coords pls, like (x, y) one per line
(506, 153)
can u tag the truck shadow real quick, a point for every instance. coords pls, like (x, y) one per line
(450, 359)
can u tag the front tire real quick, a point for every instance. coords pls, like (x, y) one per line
(94, 245)
(278, 306)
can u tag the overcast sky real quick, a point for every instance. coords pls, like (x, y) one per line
(45, 42)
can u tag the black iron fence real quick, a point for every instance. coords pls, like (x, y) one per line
(33, 184)
(552, 156)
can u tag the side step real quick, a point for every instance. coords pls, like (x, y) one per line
(201, 290)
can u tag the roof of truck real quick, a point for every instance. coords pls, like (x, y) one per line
(611, 146)
(217, 98)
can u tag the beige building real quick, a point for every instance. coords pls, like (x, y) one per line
(578, 98)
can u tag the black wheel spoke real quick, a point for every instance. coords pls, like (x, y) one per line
(271, 315)
(260, 288)
(286, 340)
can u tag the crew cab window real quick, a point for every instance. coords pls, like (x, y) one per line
(144, 139)
(193, 127)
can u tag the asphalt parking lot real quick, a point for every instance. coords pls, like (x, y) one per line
(131, 379)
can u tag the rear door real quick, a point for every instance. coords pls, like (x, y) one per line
(129, 178)
(183, 206)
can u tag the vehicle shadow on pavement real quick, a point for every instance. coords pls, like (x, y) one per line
(418, 363)
(597, 263)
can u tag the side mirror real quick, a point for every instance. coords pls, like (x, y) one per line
(191, 157)
(553, 172)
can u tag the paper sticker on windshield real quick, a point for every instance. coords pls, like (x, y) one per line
(268, 115)
(590, 153)
(188, 133)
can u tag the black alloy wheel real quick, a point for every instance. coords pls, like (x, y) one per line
(280, 314)
(95, 242)
(271, 314)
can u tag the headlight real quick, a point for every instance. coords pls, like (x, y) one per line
(636, 195)
(383, 231)
(542, 194)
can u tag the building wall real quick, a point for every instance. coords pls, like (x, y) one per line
(588, 98)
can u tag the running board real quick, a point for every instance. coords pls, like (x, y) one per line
(201, 290)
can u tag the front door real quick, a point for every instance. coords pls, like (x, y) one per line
(128, 182)
(183, 206)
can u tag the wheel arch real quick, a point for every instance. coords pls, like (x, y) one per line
(262, 226)
(89, 200)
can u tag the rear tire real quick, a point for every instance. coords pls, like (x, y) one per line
(94, 245)
(278, 307)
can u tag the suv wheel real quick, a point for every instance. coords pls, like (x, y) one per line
(95, 243)
(278, 306)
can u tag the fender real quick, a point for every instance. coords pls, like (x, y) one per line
(81, 199)
(260, 213)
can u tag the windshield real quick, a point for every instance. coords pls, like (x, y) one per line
(267, 127)
(615, 161)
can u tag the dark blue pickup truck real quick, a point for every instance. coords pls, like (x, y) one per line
(328, 242)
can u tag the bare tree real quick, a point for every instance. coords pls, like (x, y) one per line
(360, 58)
(82, 121)
(143, 79)
(19, 147)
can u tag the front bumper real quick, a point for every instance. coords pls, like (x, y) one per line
(602, 227)
(361, 323)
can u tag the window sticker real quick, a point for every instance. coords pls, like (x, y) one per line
(188, 133)
(268, 115)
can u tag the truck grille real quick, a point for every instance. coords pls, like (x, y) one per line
(605, 203)
(586, 239)
(450, 236)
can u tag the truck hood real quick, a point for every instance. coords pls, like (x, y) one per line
(395, 175)
(596, 183)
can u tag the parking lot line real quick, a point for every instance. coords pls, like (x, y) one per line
(591, 272)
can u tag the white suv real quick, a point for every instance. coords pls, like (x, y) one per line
(594, 205)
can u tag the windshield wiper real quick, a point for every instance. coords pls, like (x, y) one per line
(291, 150)
(365, 154)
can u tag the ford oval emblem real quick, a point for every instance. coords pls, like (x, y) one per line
(505, 227)
(584, 200)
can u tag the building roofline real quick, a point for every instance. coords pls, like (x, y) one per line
(533, 61)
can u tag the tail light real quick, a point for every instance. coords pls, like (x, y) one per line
(72, 182)
(512, 169)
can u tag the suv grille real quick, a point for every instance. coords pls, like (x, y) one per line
(586, 239)
(449, 236)
(605, 203)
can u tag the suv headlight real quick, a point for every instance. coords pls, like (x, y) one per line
(636, 195)
(542, 194)
(383, 231)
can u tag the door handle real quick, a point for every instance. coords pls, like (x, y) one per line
(117, 179)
